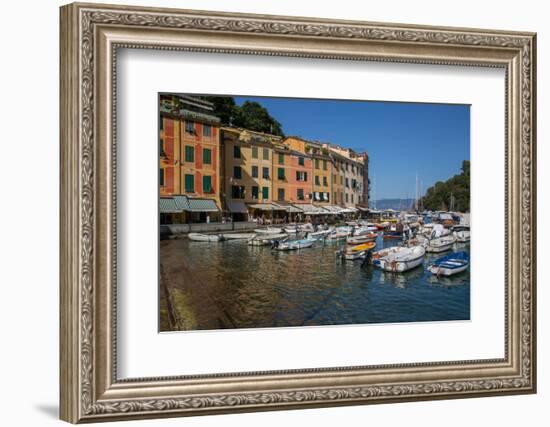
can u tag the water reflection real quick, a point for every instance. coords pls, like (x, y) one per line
(234, 285)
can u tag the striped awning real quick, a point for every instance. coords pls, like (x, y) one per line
(168, 205)
(202, 205)
(290, 208)
(267, 207)
(313, 210)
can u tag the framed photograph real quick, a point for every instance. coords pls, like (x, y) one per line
(267, 212)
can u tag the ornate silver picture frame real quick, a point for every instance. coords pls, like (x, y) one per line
(91, 34)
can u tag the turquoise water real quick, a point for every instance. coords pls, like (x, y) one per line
(248, 287)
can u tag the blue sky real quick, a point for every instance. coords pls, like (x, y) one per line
(402, 139)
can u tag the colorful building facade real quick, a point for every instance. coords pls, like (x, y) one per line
(248, 169)
(189, 153)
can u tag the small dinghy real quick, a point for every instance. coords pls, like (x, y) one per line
(291, 229)
(238, 236)
(398, 259)
(352, 253)
(358, 240)
(198, 237)
(454, 263)
(293, 244)
(266, 239)
(440, 244)
(268, 230)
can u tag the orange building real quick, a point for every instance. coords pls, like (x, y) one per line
(189, 155)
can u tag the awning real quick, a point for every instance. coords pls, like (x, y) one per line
(236, 206)
(313, 210)
(202, 205)
(290, 208)
(335, 210)
(362, 208)
(267, 207)
(185, 203)
(168, 205)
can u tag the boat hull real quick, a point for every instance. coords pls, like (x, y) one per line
(398, 266)
(442, 271)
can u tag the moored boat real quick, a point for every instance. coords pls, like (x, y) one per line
(318, 235)
(266, 239)
(451, 264)
(358, 251)
(238, 236)
(399, 259)
(293, 244)
(268, 230)
(198, 237)
(440, 244)
(357, 240)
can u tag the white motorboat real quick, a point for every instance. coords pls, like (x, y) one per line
(293, 244)
(462, 236)
(398, 258)
(266, 239)
(198, 237)
(238, 236)
(305, 228)
(440, 244)
(451, 264)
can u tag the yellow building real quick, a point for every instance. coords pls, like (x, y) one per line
(248, 172)
(320, 168)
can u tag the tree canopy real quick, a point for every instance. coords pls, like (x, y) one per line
(251, 115)
(455, 191)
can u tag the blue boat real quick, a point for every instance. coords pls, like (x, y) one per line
(454, 263)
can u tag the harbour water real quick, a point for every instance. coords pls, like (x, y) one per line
(233, 285)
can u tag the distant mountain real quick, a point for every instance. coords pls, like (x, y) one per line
(395, 204)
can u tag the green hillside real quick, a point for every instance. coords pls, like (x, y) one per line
(453, 194)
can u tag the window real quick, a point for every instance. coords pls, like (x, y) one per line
(341, 180)
(317, 182)
(161, 176)
(207, 130)
(189, 153)
(190, 127)
(281, 159)
(265, 193)
(346, 197)
(265, 173)
(347, 167)
(161, 147)
(236, 152)
(300, 194)
(254, 152)
(280, 194)
(316, 163)
(325, 181)
(207, 156)
(301, 161)
(354, 184)
(255, 193)
(347, 182)
(301, 176)
(352, 198)
(237, 192)
(324, 165)
(254, 171)
(237, 172)
(327, 197)
(266, 154)
(281, 174)
(189, 183)
(207, 184)
(335, 198)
